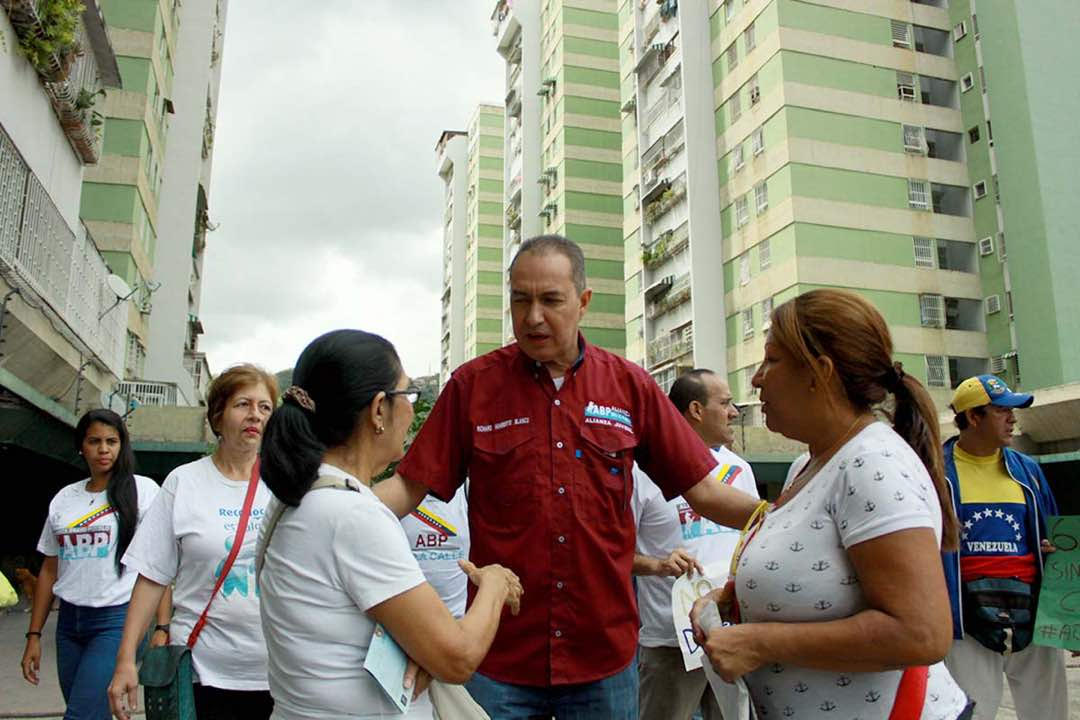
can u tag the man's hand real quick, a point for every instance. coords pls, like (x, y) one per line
(1046, 547)
(680, 561)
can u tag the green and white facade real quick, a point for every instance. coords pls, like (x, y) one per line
(563, 111)
(145, 202)
(483, 279)
(451, 164)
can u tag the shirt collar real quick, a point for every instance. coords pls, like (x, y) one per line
(534, 365)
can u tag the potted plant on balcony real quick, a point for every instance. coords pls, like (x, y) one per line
(47, 31)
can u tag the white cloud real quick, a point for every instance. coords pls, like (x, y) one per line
(324, 180)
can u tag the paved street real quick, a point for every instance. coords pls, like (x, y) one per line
(20, 699)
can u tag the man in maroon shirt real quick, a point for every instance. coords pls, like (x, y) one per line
(547, 431)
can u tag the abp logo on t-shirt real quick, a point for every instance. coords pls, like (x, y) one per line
(81, 544)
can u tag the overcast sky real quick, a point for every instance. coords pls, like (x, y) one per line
(324, 185)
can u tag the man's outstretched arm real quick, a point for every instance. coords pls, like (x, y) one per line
(721, 503)
(400, 494)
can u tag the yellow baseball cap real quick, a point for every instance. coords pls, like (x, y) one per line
(987, 390)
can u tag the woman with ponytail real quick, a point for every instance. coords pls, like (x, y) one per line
(335, 561)
(89, 526)
(838, 587)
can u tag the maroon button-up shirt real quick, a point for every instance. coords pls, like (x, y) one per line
(550, 486)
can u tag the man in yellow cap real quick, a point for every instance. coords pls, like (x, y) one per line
(1002, 500)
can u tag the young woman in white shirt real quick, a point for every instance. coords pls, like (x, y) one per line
(838, 587)
(184, 542)
(89, 526)
(337, 560)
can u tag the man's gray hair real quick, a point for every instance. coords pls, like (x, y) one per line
(544, 244)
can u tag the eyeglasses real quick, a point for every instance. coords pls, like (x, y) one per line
(412, 394)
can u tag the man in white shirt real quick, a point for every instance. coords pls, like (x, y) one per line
(672, 539)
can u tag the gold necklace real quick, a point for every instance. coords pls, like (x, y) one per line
(806, 474)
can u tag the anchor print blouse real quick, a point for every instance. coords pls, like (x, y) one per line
(796, 569)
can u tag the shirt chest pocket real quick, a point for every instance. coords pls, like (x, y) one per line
(503, 464)
(606, 460)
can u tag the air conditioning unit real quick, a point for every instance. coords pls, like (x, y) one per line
(993, 304)
(986, 246)
(999, 364)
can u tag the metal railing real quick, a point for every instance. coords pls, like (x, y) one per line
(673, 298)
(60, 270)
(147, 392)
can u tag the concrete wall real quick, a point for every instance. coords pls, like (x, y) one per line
(28, 117)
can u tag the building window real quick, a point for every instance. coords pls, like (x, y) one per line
(742, 211)
(973, 135)
(757, 141)
(732, 57)
(764, 254)
(744, 269)
(748, 322)
(735, 106)
(905, 86)
(967, 81)
(1002, 254)
(932, 310)
(913, 139)
(766, 314)
(729, 10)
(982, 78)
(761, 197)
(936, 375)
(986, 246)
(959, 31)
(979, 189)
(924, 252)
(975, 25)
(918, 194)
(755, 90)
(901, 34)
(749, 42)
(737, 157)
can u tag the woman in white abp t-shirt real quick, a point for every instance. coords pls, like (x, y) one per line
(185, 541)
(89, 525)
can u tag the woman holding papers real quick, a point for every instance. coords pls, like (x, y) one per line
(337, 572)
(838, 587)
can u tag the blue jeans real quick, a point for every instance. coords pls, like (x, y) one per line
(87, 639)
(614, 698)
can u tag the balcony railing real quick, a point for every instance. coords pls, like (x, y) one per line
(148, 393)
(72, 82)
(670, 347)
(673, 298)
(671, 197)
(58, 269)
(667, 246)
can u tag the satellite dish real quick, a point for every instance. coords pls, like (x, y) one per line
(118, 285)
